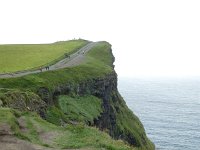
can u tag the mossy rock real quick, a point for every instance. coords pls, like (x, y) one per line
(22, 100)
(1, 103)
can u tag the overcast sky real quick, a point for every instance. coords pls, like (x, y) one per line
(149, 37)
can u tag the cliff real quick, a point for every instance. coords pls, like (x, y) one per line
(87, 93)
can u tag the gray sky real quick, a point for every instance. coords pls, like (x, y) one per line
(149, 37)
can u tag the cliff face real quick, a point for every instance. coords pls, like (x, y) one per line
(116, 118)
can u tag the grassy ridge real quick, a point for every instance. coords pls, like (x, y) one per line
(93, 67)
(27, 56)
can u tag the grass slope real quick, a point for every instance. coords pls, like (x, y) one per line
(84, 108)
(77, 109)
(27, 56)
(70, 137)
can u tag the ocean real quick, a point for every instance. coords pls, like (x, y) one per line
(168, 108)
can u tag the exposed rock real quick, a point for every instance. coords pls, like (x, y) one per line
(5, 129)
(24, 101)
(45, 95)
(114, 117)
(1, 103)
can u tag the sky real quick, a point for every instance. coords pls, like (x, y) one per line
(148, 37)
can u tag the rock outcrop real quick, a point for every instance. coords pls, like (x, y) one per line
(116, 118)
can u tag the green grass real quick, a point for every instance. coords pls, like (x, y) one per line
(21, 100)
(27, 56)
(73, 136)
(127, 121)
(55, 116)
(95, 66)
(101, 54)
(8, 116)
(85, 108)
(81, 136)
(79, 109)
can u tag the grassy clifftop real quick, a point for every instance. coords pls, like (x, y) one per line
(97, 64)
(72, 101)
(14, 57)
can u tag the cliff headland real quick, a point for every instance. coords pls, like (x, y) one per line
(73, 105)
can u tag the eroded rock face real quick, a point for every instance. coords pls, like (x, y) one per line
(23, 101)
(114, 117)
(1, 103)
(45, 95)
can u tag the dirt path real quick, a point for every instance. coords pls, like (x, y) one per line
(8, 142)
(73, 60)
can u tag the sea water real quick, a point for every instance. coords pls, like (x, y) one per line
(168, 108)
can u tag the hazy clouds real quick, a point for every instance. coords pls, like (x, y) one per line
(149, 38)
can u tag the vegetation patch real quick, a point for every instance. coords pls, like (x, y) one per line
(18, 57)
(74, 110)
(89, 137)
(93, 67)
(129, 125)
(22, 100)
(56, 116)
(77, 136)
(82, 109)
(8, 116)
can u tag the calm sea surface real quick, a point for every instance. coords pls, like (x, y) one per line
(168, 108)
